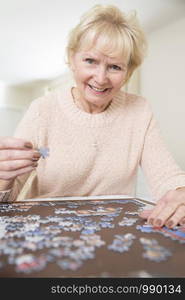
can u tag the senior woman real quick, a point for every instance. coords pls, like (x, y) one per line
(98, 135)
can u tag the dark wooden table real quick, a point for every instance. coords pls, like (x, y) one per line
(21, 236)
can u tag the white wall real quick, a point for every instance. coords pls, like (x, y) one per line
(14, 101)
(162, 82)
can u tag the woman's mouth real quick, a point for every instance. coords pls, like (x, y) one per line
(98, 90)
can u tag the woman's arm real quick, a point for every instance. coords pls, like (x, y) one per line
(166, 180)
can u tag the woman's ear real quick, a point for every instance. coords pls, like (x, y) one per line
(71, 63)
(123, 82)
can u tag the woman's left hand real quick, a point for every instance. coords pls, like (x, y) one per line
(168, 211)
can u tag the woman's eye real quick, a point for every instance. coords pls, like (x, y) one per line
(115, 67)
(89, 60)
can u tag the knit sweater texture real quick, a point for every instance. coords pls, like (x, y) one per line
(96, 154)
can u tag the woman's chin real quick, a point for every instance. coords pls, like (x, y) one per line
(98, 99)
(98, 103)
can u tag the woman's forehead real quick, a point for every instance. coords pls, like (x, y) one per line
(102, 46)
(96, 53)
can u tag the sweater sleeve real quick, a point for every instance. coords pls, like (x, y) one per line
(28, 129)
(161, 171)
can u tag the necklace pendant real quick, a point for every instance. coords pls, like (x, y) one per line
(95, 145)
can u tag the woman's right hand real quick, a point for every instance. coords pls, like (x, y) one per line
(17, 157)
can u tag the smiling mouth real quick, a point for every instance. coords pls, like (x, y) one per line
(97, 89)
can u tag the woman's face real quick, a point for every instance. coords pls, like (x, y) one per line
(98, 77)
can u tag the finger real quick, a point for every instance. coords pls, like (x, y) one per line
(145, 213)
(178, 215)
(16, 164)
(12, 175)
(6, 155)
(157, 209)
(182, 221)
(164, 214)
(14, 143)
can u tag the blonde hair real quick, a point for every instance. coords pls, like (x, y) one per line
(112, 32)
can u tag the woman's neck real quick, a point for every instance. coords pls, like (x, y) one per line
(86, 106)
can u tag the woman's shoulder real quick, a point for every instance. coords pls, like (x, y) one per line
(132, 98)
(45, 102)
(137, 102)
(50, 102)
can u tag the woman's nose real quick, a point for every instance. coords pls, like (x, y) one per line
(101, 75)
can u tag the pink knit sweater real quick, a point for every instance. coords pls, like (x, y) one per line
(96, 154)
